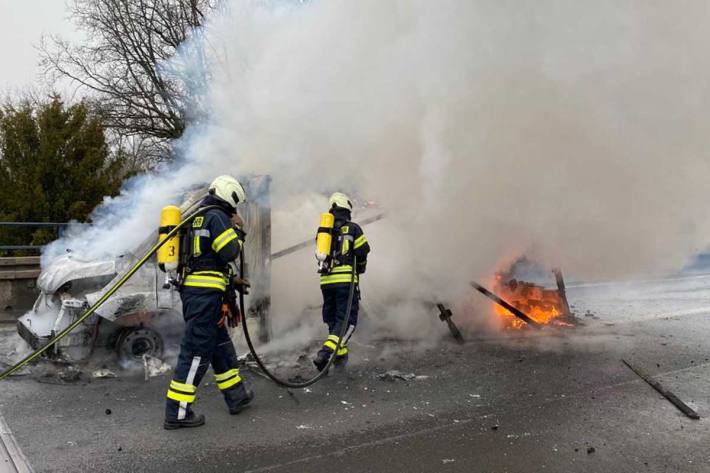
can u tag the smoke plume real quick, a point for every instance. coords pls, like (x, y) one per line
(574, 133)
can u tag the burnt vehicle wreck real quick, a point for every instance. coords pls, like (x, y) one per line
(145, 314)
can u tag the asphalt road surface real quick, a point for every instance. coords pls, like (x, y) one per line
(558, 401)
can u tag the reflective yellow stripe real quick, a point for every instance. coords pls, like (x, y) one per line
(338, 275)
(196, 251)
(331, 342)
(342, 351)
(180, 397)
(182, 387)
(209, 273)
(337, 279)
(346, 247)
(226, 375)
(229, 383)
(360, 241)
(224, 238)
(228, 379)
(213, 282)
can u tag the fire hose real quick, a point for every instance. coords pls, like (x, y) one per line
(341, 335)
(91, 310)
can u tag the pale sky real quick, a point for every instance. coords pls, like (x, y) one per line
(22, 24)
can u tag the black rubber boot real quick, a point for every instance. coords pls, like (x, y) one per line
(238, 397)
(191, 420)
(321, 360)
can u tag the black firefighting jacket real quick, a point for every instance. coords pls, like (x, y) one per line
(349, 242)
(211, 244)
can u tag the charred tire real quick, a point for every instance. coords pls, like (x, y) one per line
(133, 343)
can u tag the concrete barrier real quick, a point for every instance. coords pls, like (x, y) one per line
(18, 285)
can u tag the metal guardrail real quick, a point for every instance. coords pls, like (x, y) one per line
(19, 267)
(60, 227)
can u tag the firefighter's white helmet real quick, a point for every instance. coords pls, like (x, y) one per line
(228, 189)
(341, 200)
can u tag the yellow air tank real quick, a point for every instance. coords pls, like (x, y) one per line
(168, 254)
(324, 239)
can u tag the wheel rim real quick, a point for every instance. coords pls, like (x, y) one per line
(135, 343)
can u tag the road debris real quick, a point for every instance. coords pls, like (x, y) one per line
(394, 375)
(683, 407)
(154, 366)
(445, 316)
(68, 375)
(293, 397)
(103, 373)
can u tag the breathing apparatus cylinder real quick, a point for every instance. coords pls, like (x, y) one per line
(169, 253)
(324, 240)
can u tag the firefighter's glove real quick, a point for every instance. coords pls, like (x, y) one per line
(241, 234)
(237, 220)
(225, 316)
(238, 225)
(233, 320)
(361, 267)
(241, 284)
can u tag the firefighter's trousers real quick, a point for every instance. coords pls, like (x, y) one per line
(335, 306)
(204, 343)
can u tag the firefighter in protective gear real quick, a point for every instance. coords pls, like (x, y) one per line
(210, 245)
(348, 242)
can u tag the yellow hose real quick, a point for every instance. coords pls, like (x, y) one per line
(20, 364)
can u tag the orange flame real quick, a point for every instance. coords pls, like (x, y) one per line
(542, 305)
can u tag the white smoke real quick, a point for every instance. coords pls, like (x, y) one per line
(576, 133)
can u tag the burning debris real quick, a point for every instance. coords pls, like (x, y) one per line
(521, 303)
(510, 309)
(540, 304)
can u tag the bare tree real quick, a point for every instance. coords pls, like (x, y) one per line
(120, 62)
